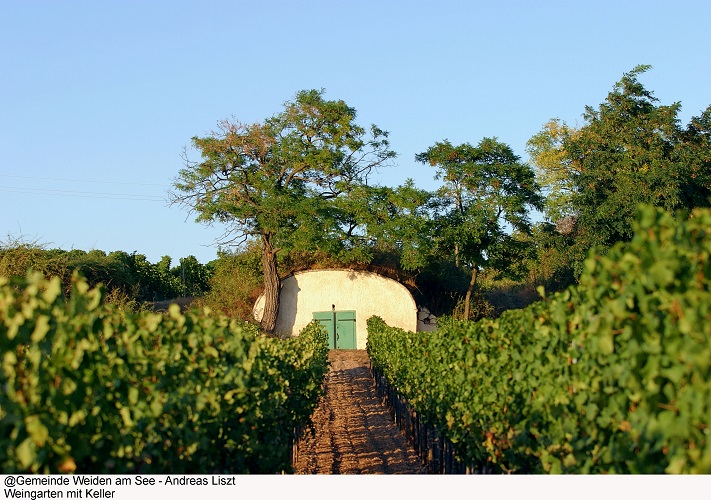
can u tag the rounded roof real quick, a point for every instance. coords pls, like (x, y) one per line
(366, 292)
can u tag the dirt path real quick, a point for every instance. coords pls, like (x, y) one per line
(353, 432)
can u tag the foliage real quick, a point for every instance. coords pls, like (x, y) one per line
(392, 221)
(479, 307)
(130, 279)
(549, 261)
(611, 376)
(630, 150)
(486, 195)
(555, 170)
(194, 278)
(235, 284)
(89, 388)
(278, 182)
(441, 286)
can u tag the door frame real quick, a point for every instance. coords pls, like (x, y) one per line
(329, 320)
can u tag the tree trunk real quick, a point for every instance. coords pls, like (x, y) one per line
(271, 285)
(470, 290)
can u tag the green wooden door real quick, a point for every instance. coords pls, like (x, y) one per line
(340, 326)
(327, 320)
(345, 330)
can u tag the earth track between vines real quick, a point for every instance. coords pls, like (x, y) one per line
(352, 431)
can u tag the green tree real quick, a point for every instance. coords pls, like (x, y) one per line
(696, 155)
(235, 278)
(486, 195)
(395, 222)
(630, 150)
(555, 170)
(276, 181)
(193, 277)
(169, 286)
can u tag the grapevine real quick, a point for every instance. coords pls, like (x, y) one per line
(90, 388)
(610, 376)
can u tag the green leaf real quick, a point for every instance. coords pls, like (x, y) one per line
(676, 465)
(26, 453)
(37, 430)
(606, 343)
(41, 328)
(132, 396)
(125, 413)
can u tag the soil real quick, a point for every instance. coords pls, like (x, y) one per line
(352, 431)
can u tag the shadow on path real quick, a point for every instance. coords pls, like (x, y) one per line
(353, 432)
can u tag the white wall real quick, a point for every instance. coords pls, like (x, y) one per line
(368, 294)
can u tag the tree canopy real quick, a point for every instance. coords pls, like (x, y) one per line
(297, 184)
(630, 150)
(277, 181)
(486, 195)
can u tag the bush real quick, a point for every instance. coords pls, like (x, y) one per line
(89, 388)
(611, 376)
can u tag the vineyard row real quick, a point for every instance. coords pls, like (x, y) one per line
(90, 388)
(610, 376)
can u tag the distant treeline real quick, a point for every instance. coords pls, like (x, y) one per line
(468, 250)
(128, 277)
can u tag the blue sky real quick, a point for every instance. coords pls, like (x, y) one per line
(99, 98)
